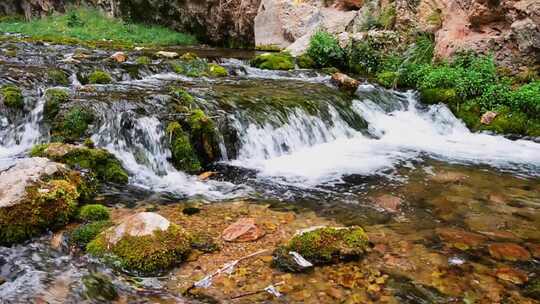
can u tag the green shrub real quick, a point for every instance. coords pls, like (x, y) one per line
(363, 58)
(12, 97)
(387, 79)
(387, 18)
(95, 212)
(99, 77)
(324, 49)
(527, 98)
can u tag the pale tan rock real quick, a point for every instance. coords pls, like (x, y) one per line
(140, 224)
(168, 55)
(119, 57)
(488, 117)
(206, 175)
(345, 82)
(388, 202)
(243, 230)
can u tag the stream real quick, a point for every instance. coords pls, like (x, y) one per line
(291, 140)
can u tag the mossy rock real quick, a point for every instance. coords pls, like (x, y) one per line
(184, 156)
(94, 212)
(215, 70)
(388, 79)
(53, 99)
(274, 61)
(191, 68)
(203, 135)
(323, 246)
(12, 97)
(143, 60)
(48, 203)
(145, 255)
(58, 77)
(434, 96)
(99, 77)
(189, 56)
(85, 233)
(104, 165)
(305, 62)
(72, 126)
(99, 288)
(182, 96)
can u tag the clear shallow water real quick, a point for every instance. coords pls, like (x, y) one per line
(318, 156)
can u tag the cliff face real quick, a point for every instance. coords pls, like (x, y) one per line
(508, 29)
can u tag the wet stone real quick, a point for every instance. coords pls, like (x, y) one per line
(388, 202)
(243, 230)
(460, 239)
(509, 252)
(511, 275)
(534, 249)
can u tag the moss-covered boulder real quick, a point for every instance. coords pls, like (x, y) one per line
(184, 156)
(322, 246)
(145, 243)
(191, 68)
(94, 212)
(434, 96)
(203, 135)
(53, 99)
(71, 126)
(99, 77)
(305, 62)
(215, 70)
(12, 97)
(104, 165)
(274, 61)
(35, 195)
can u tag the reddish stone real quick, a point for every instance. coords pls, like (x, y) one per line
(509, 252)
(488, 117)
(534, 249)
(515, 276)
(345, 82)
(388, 202)
(243, 230)
(460, 239)
(119, 57)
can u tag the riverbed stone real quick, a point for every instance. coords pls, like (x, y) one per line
(509, 252)
(145, 243)
(461, 239)
(243, 230)
(511, 275)
(488, 117)
(168, 55)
(119, 57)
(389, 203)
(35, 195)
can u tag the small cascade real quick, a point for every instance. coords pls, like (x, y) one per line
(19, 136)
(140, 143)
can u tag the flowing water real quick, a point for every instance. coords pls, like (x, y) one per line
(286, 137)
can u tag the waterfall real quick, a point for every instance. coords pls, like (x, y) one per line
(308, 151)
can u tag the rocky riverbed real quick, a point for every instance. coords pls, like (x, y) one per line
(179, 178)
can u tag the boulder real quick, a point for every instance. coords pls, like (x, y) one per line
(321, 246)
(145, 243)
(35, 195)
(509, 252)
(511, 275)
(345, 82)
(168, 55)
(243, 230)
(274, 61)
(119, 57)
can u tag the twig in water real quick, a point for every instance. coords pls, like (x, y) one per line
(270, 289)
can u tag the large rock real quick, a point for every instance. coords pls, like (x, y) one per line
(36, 194)
(290, 24)
(145, 243)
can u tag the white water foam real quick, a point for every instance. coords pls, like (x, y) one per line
(397, 137)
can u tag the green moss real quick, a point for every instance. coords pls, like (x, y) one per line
(508, 122)
(189, 56)
(143, 60)
(325, 246)
(99, 77)
(203, 134)
(99, 288)
(215, 70)
(181, 95)
(54, 98)
(305, 62)
(388, 79)
(58, 77)
(268, 48)
(183, 155)
(84, 234)
(146, 255)
(433, 96)
(274, 61)
(100, 162)
(12, 97)
(94, 212)
(191, 68)
(72, 125)
(47, 205)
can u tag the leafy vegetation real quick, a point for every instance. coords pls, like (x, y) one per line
(94, 212)
(325, 50)
(12, 97)
(90, 25)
